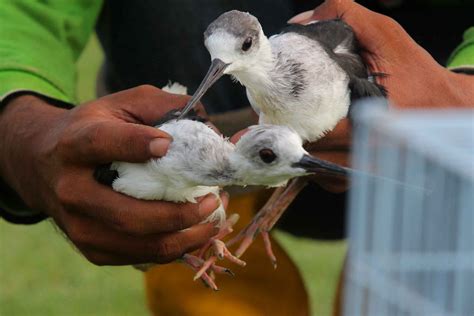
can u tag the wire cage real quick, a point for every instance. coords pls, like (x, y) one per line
(411, 213)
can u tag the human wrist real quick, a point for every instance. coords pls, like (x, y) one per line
(24, 119)
(461, 89)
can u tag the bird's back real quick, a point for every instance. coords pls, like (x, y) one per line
(339, 41)
(318, 72)
(309, 90)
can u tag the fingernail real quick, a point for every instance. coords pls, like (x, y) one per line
(225, 196)
(159, 146)
(216, 228)
(208, 205)
(300, 17)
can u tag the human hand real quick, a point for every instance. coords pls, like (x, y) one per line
(414, 78)
(48, 155)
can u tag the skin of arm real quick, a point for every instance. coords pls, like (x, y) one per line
(48, 153)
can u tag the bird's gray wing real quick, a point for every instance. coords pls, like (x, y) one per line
(105, 175)
(339, 41)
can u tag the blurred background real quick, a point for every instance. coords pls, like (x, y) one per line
(42, 274)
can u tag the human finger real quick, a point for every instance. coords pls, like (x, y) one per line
(106, 141)
(127, 214)
(144, 104)
(108, 247)
(236, 137)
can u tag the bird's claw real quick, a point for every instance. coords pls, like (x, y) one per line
(195, 263)
(206, 267)
(219, 251)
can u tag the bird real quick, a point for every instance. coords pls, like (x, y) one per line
(306, 77)
(200, 161)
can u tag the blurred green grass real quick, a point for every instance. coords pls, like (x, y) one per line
(42, 274)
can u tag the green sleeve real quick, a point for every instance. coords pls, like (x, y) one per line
(463, 55)
(40, 42)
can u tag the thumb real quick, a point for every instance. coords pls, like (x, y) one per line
(236, 137)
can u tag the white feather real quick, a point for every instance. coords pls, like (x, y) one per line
(199, 162)
(316, 109)
(175, 87)
(313, 110)
(172, 178)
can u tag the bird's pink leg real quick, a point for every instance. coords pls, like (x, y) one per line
(225, 230)
(267, 217)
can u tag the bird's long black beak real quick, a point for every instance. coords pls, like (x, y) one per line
(216, 70)
(314, 165)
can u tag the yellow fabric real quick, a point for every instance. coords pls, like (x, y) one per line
(256, 289)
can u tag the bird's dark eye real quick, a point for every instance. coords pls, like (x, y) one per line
(247, 44)
(267, 155)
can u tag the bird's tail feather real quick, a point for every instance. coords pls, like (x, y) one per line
(362, 88)
(175, 87)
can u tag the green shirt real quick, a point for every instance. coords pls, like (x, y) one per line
(40, 42)
(463, 55)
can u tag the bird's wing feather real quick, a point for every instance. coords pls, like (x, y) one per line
(335, 34)
(339, 40)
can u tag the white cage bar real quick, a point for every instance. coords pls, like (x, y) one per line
(411, 214)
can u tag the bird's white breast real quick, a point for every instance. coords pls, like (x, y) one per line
(178, 176)
(315, 107)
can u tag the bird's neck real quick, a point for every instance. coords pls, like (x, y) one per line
(219, 172)
(257, 75)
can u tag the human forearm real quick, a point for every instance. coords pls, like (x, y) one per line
(23, 122)
(48, 156)
(461, 89)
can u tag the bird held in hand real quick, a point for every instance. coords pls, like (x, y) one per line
(306, 78)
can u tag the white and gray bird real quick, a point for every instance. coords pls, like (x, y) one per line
(305, 77)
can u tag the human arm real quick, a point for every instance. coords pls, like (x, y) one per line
(39, 45)
(48, 155)
(413, 78)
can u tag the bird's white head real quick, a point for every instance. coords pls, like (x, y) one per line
(236, 38)
(238, 47)
(271, 155)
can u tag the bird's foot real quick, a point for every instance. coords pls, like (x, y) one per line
(205, 262)
(219, 252)
(225, 230)
(207, 277)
